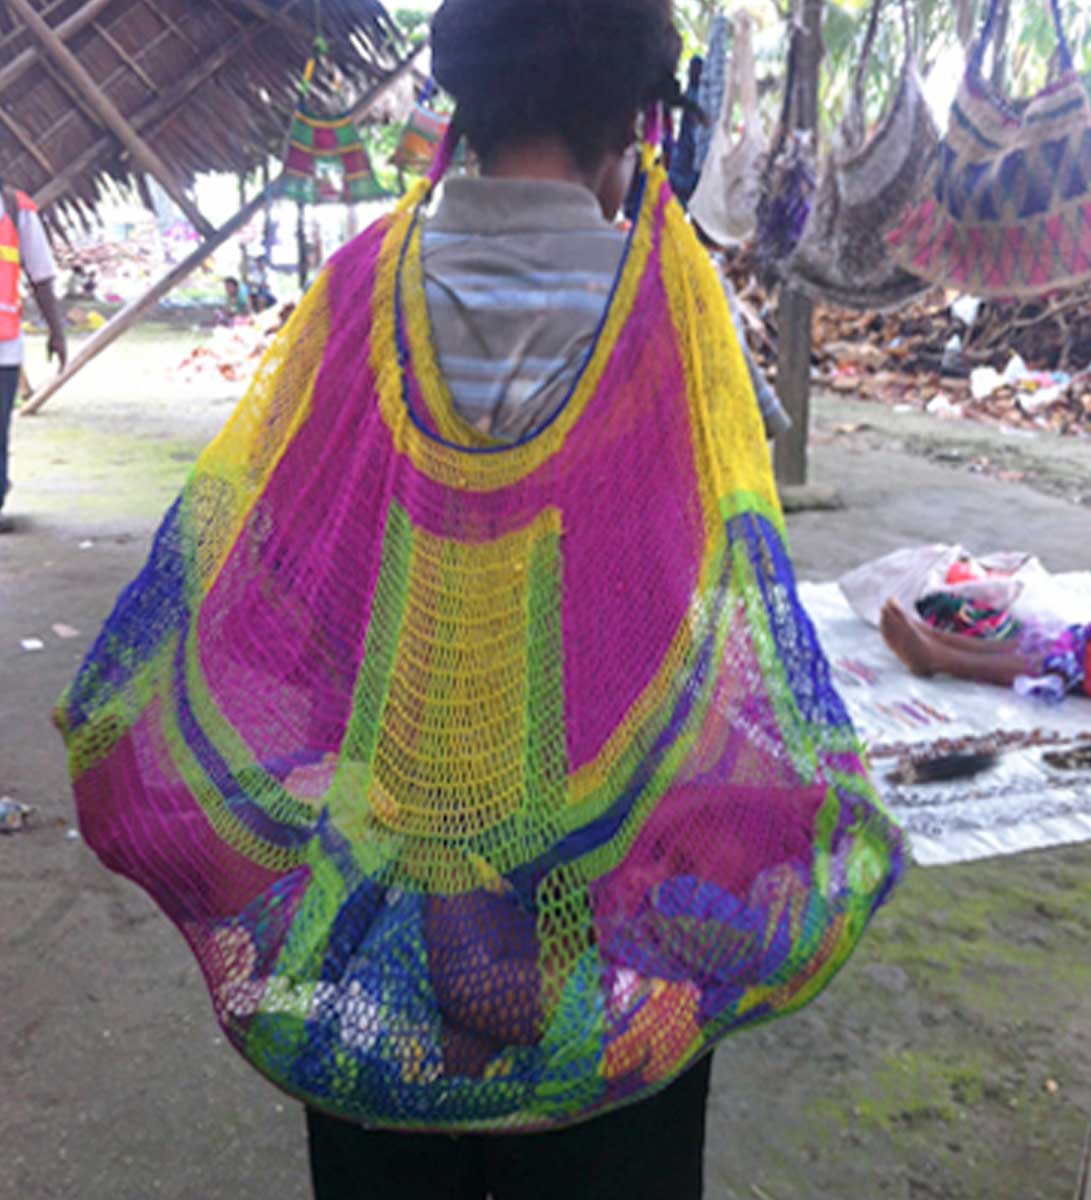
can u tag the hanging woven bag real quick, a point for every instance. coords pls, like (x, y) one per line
(325, 159)
(1004, 209)
(713, 87)
(725, 204)
(787, 185)
(423, 133)
(865, 186)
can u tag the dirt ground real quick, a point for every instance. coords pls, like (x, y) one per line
(951, 1060)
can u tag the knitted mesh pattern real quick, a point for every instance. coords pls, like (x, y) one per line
(490, 786)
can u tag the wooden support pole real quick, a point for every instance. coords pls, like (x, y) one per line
(302, 250)
(132, 313)
(244, 251)
(86, 90)
(795, 318)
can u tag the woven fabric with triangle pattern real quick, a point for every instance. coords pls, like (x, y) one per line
(1005, 205)
(490, 786)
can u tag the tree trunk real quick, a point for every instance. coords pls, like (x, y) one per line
(796, 312)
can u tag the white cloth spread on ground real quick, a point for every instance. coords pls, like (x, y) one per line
(1022, 804)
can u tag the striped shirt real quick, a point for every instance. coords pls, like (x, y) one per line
(517, 277)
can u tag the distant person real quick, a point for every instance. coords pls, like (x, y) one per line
(238, 298)
(84, 283)
(24, 248)
(262, 296)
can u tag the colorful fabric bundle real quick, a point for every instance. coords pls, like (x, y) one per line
(1005, 205)
(866, 183)
(1069, 658)
(952, 612)
(327, 162)
(491, 786)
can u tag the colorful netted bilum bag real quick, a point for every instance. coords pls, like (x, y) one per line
(422, 136)
(1005, 205)
(865, 185)
(491, 785)
(327, 162)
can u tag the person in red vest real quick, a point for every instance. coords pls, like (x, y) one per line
(24, 249)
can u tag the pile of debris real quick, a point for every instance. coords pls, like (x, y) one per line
(234, 350)
(110, 271)
(1021, 364)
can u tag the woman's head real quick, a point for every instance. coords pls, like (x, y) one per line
(579, 71)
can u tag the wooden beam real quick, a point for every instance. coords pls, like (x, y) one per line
(16, 31)
(127, 58)
(13, 71)
(27, 142)
(228, 14)
(273, 16)
(85, 89)
(132, 313)
(172, 25)
(105, 84)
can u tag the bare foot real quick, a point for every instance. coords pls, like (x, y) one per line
(901, 636)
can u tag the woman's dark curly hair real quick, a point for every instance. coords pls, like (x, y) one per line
(580, 69)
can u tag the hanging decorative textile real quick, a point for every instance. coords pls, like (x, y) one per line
(423, 134)
(683, 152)
(787, 181)
(1004, 209)
(326, 160)
(467, 825)
(713, 86)
(866, 184)
(725, 204)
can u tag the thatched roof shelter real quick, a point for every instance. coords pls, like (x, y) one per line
(197, 85)
(124, 89)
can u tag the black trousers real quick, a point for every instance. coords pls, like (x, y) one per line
(9, 385)
(653, 1150)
